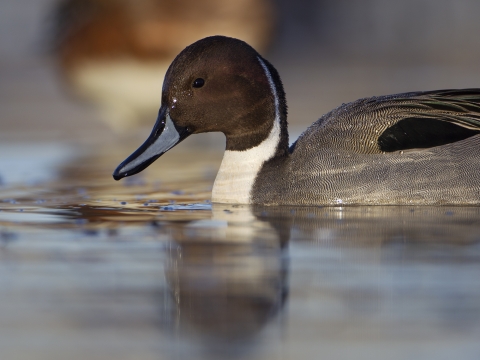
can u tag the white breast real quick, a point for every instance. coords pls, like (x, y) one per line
(239, 169)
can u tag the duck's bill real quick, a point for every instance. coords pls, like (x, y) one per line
(165, 135)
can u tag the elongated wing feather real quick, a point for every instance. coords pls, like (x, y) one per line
(399, 122)
(435, 118)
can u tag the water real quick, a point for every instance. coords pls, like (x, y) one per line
(147, 268)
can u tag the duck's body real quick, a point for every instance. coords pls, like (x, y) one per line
(339, 170)
(415, 148)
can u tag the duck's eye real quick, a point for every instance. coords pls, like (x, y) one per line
(198, 83)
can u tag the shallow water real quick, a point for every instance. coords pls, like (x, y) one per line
(147, 268)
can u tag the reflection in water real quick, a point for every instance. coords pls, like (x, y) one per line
(150, 269)
(228, 274)
(377, 225)
(228, 279)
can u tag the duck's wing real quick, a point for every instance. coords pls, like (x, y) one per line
(403, 121)
(432, 119)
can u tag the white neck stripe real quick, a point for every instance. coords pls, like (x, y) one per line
(274, 89)
(239, 169)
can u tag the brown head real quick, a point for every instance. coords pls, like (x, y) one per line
(217, 84)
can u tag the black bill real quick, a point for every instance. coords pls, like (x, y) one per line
(165, 135)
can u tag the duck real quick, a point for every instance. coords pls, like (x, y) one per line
(416, 148)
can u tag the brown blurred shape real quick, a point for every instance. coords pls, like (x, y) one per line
(110, 38)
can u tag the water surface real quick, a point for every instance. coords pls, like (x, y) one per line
(147, 268)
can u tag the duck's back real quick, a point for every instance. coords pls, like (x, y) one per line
(415, 148)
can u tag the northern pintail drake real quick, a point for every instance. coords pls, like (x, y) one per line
(419, 148)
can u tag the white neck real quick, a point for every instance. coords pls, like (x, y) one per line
(239, 169)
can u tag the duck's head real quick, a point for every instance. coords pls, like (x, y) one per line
(217, 84)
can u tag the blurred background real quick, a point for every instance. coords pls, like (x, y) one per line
(92, 70)
(97, 269)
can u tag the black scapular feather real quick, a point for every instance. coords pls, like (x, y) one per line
(437, 118)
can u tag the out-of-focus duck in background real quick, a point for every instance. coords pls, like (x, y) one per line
(112, 52)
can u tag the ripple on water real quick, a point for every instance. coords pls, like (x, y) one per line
(87, 253)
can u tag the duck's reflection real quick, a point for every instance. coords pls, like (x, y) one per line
(227, 276)
(376, 226)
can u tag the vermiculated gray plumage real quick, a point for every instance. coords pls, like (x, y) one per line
(339, 159)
